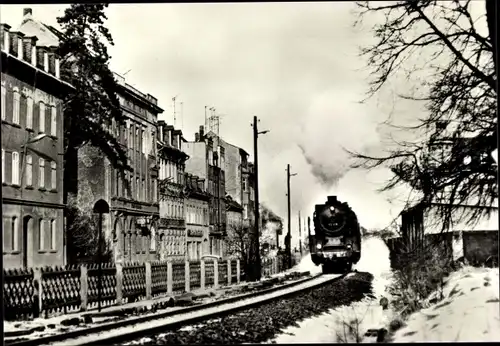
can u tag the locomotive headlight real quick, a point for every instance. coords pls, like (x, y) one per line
(332, 208)
(349, 246)
(318, 246)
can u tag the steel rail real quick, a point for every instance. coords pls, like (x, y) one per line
(121, 335)
(63, 338)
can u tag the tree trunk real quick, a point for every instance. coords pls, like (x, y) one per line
(491, 18)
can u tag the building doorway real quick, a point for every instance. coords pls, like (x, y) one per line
(27, 242)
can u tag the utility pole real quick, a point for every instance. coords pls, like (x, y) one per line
(309, 234)
(300, 237)
(288, 239)
(255, 263)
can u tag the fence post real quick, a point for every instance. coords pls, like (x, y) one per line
(37, 301)
(187, 277)
(202, 274)
(148, 280)
(229, 272)
(238, 271)
(275, 265)
(169, 277)
(84, 287)
(119, 283)
(216, 273)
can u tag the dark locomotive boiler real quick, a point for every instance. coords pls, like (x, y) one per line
(336, 242)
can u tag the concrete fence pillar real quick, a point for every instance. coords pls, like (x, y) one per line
(202, 274)
(84, 287)
(238, 271)
(187, 277)
(229, 272)
(170, 279)
(148, 281)
(119, 283)
(37, 301)
(216, 273)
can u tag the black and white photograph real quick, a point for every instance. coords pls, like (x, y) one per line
(178, 173)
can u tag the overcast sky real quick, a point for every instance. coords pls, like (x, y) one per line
(294, 65)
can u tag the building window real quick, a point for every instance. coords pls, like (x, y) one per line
(155, 190)
(41, 235)
(41, 173)
(15, 109)
(29, 113)
(53, 235)
(15, 234)
(53, 121)
(144, 141)
(4, 101)
(137, 189)
(53, 176)
(41, 124)
(3, 166)
(152, 245)
(15, 168)
(29, 170)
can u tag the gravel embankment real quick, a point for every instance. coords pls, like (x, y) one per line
(265, 322)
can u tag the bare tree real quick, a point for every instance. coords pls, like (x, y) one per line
(450, 163)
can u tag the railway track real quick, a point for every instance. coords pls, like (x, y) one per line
(132, 328)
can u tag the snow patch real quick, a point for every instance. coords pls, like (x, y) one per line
(470, 310)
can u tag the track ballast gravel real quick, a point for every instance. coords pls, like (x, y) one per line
(265, 322)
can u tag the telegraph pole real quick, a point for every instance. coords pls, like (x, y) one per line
(288, 239)
(300, 237)
(255, 263)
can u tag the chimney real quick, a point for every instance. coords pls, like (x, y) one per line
(29, 52)
(40, 57)
(202, 133)
(4, 37)
(16, 43)
(27, 11)
(196, 137)
(51, 57)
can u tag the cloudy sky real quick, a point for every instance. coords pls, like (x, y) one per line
(294, 65)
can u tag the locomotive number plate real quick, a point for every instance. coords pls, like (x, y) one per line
(333, 241)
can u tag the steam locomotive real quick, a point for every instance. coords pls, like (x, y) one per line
(336, 242)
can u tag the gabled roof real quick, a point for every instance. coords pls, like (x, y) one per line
(45, 34)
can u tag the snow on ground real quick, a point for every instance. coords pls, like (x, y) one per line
(328, 327)
(470, 311)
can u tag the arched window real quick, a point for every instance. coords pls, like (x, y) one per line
(29, 170)
(16, 106)
(29, 113)
(15, 168)
(4, 102)
(15, 234)
(53, 176)
(41, 122)
(3, 165)
(152, 245)
(41, 235)
(53, 235)
(41, 173)
(53, 121)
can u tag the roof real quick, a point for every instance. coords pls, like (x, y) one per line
(233, 205)
(31, 27)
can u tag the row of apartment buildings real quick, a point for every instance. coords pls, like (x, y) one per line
(179, 201)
